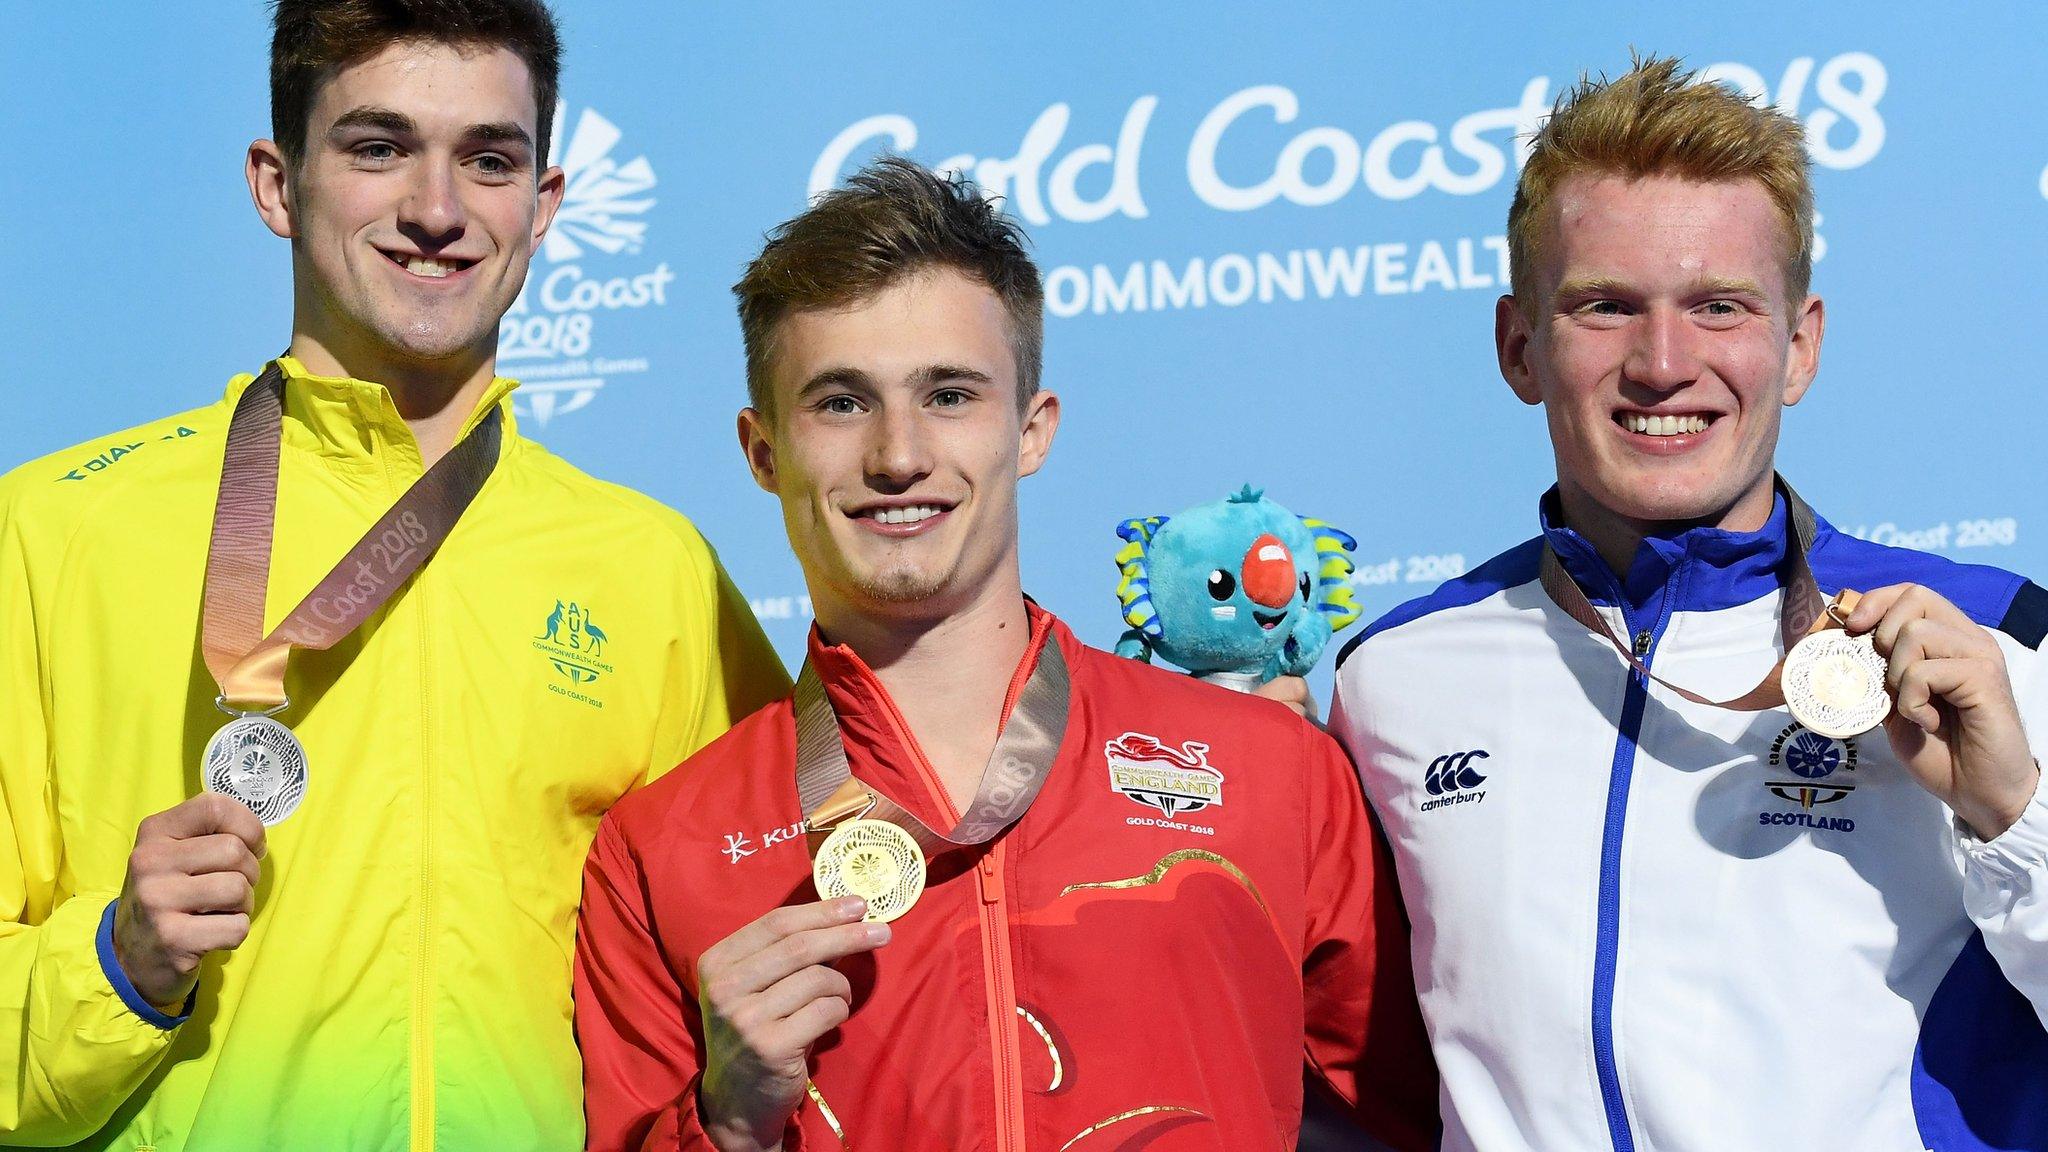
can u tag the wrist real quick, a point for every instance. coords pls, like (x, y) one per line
(1989, 817)
(730, 1134)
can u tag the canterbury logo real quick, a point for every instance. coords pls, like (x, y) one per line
(1454, 773)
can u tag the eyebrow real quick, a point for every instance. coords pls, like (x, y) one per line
(939, 373)
(399, 124)
(846, 376)
(1588, 286)
(839, 377)
(379, 119)
(500, 132)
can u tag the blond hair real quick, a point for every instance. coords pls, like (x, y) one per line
(1655, 120)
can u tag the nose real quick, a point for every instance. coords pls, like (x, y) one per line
(898, 452)
(1662, 356)
(1268, 572)
(432, 208)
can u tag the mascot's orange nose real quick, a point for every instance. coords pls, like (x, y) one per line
(1269, 572)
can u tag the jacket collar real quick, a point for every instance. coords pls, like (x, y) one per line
(1694, 570)
(355, 421)
(880, 749)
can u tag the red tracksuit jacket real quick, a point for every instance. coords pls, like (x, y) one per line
(1105, 974)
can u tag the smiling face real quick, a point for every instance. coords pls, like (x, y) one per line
(415, 209)
(1663, 349)
(896, 443)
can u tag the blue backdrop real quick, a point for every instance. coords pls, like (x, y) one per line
(1272, 241)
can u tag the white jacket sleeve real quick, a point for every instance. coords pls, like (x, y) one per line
(2005, 880)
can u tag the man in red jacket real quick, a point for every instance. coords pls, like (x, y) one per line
(1162, 896)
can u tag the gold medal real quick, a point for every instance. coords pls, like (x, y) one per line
(874, 860)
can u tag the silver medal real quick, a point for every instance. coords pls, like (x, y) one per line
(1835, 684)
(257, 761)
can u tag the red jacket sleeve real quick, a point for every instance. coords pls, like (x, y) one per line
(1365, 1033)
(638, 1027)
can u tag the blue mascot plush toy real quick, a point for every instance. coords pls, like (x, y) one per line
(1236, 592)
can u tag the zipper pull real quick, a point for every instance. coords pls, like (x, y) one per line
(1643, 639)
(991, 884)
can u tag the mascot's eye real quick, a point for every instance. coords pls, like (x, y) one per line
(1221, 584)
(1304, 587)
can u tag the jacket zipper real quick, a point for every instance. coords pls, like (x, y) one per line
(999, 987)
(1607, 932)
(423, 1103)
(1002, 1002)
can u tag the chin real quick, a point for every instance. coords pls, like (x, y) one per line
(1651, 500)
(430, 342)
(903, 586)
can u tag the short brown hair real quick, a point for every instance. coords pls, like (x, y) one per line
(1655, 120)
(313, 38)
(891, 220)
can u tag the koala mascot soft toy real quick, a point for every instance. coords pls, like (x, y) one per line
(1236, 592)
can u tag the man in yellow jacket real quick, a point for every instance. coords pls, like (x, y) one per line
(388, 965)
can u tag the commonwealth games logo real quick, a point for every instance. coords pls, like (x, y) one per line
(574, 645)
(549, 339)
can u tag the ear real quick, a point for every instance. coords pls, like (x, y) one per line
(758, 447)
(1807, 328)
(548, 197)
(1134, 591)
(1334, 595)
(1511, 336)
(270, 186)
(1041, 421)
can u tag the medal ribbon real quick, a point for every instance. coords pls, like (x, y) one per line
(1017, 767)
(249, 666)
(1802, 614)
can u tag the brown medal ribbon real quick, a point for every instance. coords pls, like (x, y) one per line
(1016, 770)
(1802, 614)
(249, 666)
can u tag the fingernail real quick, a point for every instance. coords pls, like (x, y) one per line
(853, 906)
(879, 933)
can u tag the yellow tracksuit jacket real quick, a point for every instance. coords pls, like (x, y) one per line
(405, 983)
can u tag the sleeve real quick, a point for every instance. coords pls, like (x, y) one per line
(1365, 1037)
(79, 1040)
(721, 665)
(2005, 879)
(637, 1027)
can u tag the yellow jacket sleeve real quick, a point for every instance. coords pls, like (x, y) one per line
(75, 1048)
(718, 683)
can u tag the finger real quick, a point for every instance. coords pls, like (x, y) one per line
(212, 892)
(1926, 638)
(205, 815)
(1285, 689)
(806, 1025)
(1873, 606)
(219, 852)
(751, 974)
(1931, 682)
(214, 932)
(786, 996)
(776, 924)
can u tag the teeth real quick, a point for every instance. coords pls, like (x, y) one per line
(422, 266)
(911, 515)
(1664, 425)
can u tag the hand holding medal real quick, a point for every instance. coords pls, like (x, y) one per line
(1957, 726)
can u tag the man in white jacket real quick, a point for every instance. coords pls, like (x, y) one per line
(1651, 909)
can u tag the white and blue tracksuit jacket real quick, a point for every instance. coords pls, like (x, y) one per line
(1640, 923)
